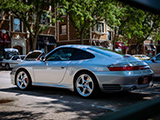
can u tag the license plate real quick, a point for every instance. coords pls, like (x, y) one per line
(145, 80)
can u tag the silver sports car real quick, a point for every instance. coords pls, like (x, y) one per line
(84, 69)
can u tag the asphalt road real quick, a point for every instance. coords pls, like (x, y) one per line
(46, 103)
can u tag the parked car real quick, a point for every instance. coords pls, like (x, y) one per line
(154, 63)
(7, 54)
(85, 70)
(14, 60)
(141, 57)
(34, 55)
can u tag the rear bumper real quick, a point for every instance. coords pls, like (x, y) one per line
(123, 82)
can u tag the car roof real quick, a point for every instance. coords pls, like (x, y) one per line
(77, 46)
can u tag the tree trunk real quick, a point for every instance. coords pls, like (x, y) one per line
(114, 40)
(137, 50)
(30, 40)
(81, 38)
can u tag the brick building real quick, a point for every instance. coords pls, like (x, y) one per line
(59, 33)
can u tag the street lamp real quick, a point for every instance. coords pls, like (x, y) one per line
(4, 32)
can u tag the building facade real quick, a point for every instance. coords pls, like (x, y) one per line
(58, 33)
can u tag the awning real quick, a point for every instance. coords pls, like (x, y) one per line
(47, 40)
(6, 37)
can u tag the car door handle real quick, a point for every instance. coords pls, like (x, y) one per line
(62, 67)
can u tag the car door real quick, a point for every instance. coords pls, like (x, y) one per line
(53, 69)
(155, 65)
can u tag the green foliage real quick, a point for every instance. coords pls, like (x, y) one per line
(85, 14)
(31, 12)
(133, 23)
(130, 22)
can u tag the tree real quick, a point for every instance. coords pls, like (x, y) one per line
(31, 13)
(85, 14)
(133, 23)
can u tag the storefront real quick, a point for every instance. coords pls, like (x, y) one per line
(5, 42)
(150, 50)
(46, 43)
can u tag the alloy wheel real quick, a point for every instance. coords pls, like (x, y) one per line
(22, 80)
(85, 85)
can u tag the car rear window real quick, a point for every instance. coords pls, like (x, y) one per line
(105, 51)
(80, 55)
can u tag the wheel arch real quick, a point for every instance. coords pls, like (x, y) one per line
(84, 70)
(22, 69)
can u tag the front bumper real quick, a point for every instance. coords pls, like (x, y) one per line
(12, 77)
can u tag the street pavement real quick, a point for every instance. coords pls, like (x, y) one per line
(46, 103)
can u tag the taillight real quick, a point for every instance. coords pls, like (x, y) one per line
(128, 68)
(38, 58)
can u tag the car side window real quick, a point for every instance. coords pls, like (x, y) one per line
(158, 57)
(62, 54)
(15, 58)
(81, 55)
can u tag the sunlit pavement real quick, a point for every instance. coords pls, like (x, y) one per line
(60, 104)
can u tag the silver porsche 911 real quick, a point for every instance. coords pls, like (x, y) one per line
(84, 69)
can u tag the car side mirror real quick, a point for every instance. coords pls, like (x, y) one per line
(153, 60)
(43, 58)
(18, 59)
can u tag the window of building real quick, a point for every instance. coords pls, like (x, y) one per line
(100, 27)
(44, 19)
(17, 25)
(109, 35)
(63, 29)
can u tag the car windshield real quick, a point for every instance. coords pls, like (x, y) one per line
(22, 57)
(33, 56)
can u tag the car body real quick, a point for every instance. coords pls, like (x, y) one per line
(34, 55)
(13, 61)
(141, 57)
(84, 69)
(154, 63)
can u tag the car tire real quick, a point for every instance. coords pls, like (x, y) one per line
(23, 80)
(7, 66)
(86, 85)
